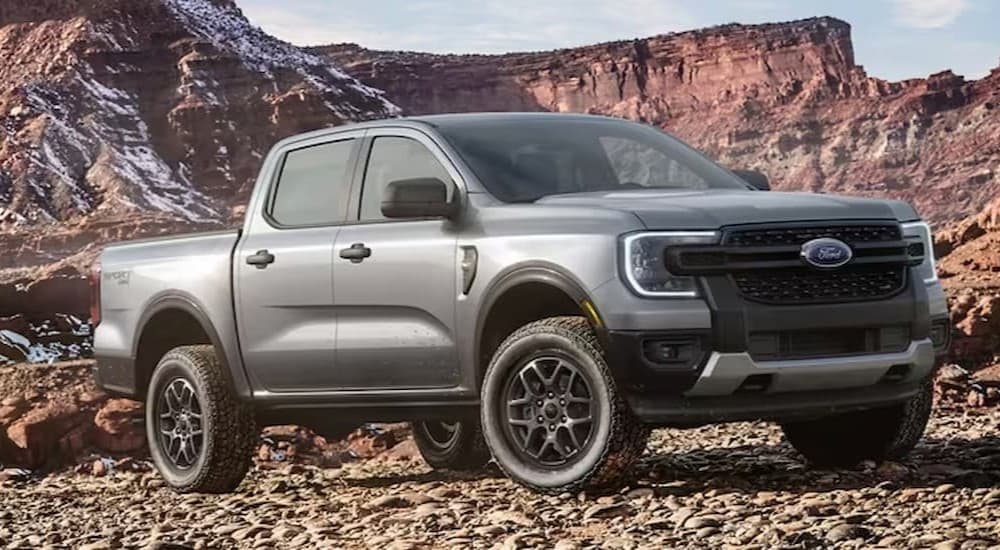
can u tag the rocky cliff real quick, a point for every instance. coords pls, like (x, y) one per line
(121, 118)
(786, 98)
(969, 265)
(111, 109)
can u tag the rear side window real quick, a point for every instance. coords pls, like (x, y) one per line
(313, 185)
(393, 159)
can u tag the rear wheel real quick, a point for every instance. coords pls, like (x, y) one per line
(844, 440)
(552, 416)
(456, 445)
(201, 437)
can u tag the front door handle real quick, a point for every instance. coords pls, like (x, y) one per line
(356, 253)
(261, 259)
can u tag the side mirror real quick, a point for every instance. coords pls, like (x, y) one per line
(417, 198)
(754, 178)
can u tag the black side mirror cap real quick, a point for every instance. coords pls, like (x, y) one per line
(417, 198)
(757, 179)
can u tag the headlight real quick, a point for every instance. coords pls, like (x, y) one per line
(645, 268)
(922, 231)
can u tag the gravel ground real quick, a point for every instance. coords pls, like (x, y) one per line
(724, 486)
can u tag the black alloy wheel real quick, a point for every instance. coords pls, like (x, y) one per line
(179, 423)
(550, 411)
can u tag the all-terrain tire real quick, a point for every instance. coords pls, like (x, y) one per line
(619, 438)
(844, 440)
(455, 445)
(229, 430)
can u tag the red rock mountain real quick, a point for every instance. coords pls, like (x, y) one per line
(124, 118)
(128, 117)
(787, 98)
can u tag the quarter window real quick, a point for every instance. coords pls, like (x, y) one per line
(313, 185)
(392, 159)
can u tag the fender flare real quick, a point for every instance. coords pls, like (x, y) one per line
(175, 300)
(534, 272)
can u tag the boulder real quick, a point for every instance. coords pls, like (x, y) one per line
(374, 439)
(48, 434)
(981, 319)
(118, 427)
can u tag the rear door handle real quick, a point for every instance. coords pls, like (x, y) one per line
(356, 253)
(261, 259)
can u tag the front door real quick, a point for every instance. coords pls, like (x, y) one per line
(284, 268)
(396, 305)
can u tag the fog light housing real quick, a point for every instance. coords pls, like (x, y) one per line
(896, 373)
(672, 351)
(941, 333)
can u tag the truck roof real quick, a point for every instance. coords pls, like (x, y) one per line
(460, 118)
(444, 120)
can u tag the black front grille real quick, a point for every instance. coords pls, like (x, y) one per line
(804, 285)
(765, 263)
(777, 236)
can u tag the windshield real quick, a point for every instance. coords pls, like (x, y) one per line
(522, 159)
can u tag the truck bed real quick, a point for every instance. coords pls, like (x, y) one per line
(138, 275)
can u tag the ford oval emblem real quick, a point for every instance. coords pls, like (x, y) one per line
(826, 253)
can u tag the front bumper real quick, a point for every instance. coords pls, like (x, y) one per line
(725, 367)
(733, 387)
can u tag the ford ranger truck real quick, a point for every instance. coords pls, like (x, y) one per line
(539, 289)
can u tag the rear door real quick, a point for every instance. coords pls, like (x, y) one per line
(396, 307)
(284, 267)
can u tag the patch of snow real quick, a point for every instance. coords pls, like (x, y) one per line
(90, 122)
(43, 345)
(15, 339)
(225, 27)
(116, 130)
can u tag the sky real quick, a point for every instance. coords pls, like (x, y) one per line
(893, 39)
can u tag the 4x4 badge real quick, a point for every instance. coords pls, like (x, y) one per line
(826, 253)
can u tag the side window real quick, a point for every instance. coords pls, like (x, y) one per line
(313, 185)
(392, 159)
(637, 164)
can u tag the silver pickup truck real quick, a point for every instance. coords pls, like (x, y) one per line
(538, 289)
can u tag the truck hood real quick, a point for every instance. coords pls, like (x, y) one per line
(712, 209)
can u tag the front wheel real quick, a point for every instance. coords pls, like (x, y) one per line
(844, 440)
(201, 437)
(551, 413)
(456, 445)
